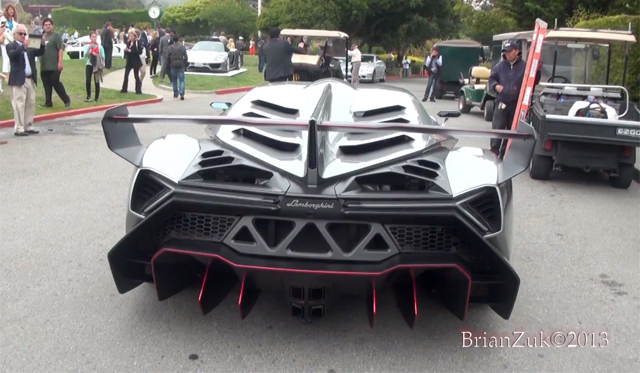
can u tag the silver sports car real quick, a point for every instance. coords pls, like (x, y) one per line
(317, 191)
(372, 68)
(212, 56)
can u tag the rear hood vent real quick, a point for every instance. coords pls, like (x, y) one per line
(277, 144)
(378, 111)
(275, 107)
(375, 145)
(221, 166)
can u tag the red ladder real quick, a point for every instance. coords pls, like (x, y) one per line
(533, 60)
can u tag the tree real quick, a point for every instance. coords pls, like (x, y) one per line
(480, 23)
(392, 23)
(200, 17)
(90, 4)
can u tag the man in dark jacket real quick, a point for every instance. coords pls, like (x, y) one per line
(505, 83)
(165, 42)
(106, 40)
(23, 79)
(260, 46)
(278, 55)
(178, 62)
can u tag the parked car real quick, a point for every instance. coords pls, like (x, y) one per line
(372, 68)
(212, 56)
(75, 48)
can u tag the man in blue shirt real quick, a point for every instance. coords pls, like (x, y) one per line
(434, 65)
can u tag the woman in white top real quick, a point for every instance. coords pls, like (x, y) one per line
(8, 22)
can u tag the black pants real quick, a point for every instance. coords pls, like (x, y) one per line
(136, 74)
(502, 120)
(108, 56)
(282, 79)
(154, 63)
(51, 81)
(89, 77)
(434, 79)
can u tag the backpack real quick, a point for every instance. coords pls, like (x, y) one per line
(593, 112)
(177, 56)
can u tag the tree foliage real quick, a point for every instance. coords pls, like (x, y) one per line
(90, 4)
(392, 23)
(200, 17)
(481, 21)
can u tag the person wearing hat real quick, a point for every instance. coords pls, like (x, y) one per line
(434, 66)
(504, 84)
(240, 46)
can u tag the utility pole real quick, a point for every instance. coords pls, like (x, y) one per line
(259, 10)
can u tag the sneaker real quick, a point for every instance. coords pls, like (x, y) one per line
(182, 97)
(67, 106)
(88, 99)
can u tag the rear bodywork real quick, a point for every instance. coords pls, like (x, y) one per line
(589, 143)
(320, 191)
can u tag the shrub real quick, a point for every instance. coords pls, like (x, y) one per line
(83, 19)
(620, 22)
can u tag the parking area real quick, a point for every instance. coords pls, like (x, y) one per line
(63, 196)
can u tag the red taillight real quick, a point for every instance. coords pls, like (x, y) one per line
(627, 152)
(548, 145)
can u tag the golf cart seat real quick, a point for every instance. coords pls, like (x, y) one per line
(560, 101)
(479, 75)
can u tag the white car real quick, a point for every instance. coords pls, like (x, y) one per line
(75, 48)
(212, 56)
(372, 68)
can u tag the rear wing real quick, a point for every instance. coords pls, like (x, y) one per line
(122, 137)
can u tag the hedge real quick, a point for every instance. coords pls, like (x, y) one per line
(83, 19)
(620, 22)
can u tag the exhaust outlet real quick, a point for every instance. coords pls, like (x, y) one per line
(316, 313)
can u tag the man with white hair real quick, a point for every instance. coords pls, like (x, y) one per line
(23, 79)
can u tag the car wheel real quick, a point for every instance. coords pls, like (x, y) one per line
(488, 110)
(373, 77)
(540, 167)
(624, 178)
(384, 76)
(462, 104)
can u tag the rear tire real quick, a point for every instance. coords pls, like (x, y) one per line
(540, 167)
(462, 104)
(488, 110)
(624, 178)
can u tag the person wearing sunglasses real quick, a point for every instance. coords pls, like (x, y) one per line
(23, 79)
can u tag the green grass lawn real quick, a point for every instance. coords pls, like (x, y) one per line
(251, 77)
(73, 78)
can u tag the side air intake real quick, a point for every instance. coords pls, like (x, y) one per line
(487, 208)
(236, 173)
(147, 190)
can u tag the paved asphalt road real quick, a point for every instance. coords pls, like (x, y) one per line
(63, 199)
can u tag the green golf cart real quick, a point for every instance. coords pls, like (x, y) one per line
(475, 89)
(457, 56)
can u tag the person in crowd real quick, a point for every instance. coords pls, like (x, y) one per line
(51, 66)
(278, 55)
(9, 19)
(143, 53)
(153, 47)
(240, 46)
(37, 26)
(224, 39)
(76, 35)
(434, 65)
(106, 39)
(356, 60)
(232, 44)
(406, 67)
(178, 61)
(252, 47)
(261, 57)
(23, 79)
(165, 41)
(65, 37)
(95, 55)
(132, 51)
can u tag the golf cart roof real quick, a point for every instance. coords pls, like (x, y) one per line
(518, 35)
(314, 33)
(459, 43)
(590, 36)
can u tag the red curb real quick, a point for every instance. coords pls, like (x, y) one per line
(233, 90)
(51, 116)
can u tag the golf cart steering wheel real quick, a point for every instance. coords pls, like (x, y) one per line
(551, 80)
